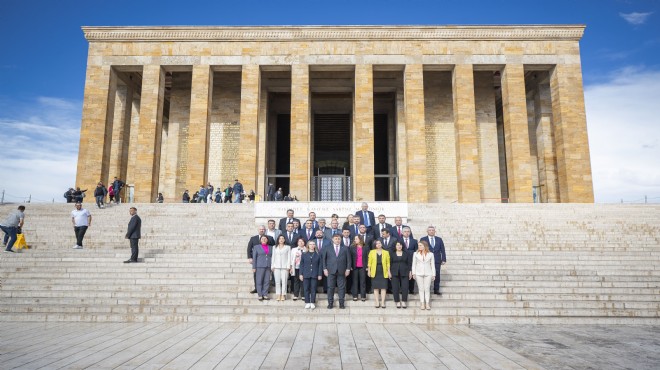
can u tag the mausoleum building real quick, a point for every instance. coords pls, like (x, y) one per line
(422, 114)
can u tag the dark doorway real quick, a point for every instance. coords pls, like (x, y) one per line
(283, 155)
(381, 158)
(332, 157)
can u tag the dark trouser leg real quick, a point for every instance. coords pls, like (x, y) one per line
(332, 282)
(349, 281)
(341, 286)
(80, 234)
(10, 236)
(297, 284)
(313, 282)
(134, 249)
(404, 288)
(411, 286)
(307, 290)
(436, 282)
(396, 288)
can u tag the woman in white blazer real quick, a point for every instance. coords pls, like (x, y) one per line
(281, 266)
(423, 270)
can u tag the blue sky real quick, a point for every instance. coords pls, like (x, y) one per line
(42, 73)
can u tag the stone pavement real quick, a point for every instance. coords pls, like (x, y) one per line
(325, 346)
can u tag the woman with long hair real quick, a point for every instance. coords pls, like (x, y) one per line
(296, 257)
(281, 266)
(423, 271)
(379, 271)
(310, 273)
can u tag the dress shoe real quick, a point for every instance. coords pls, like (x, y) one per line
(341, 306)
(129, 261)
(261, 298)
(253, 291)
(437, 293)
(330, 306)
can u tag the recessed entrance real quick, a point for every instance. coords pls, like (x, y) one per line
(332, 157)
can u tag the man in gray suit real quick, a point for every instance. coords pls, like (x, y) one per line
(133, 234)
(336, 262)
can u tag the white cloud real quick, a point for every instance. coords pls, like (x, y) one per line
(635, 18)
(40, 148)
(623, 118)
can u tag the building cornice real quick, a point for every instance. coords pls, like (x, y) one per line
(331, 33)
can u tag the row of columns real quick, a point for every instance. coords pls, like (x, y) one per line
(568, 122)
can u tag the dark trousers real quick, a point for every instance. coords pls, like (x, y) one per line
(436, 282)
(309, 289)
(359, 275)
(10, 236)
(339, 280)
(80, 234)
(400, 288)
(411, 286)
(99, 200)
(134, 249)
(297, 285)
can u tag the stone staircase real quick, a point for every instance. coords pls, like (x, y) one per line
(507, 263)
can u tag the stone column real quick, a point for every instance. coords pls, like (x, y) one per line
(570, 128)
(198, 127)
(362, 149)
(300, 177)
(516, 134)
(147, 164)
(547, 160)
(401, 147)
(413, 86)
(120, 133)
(465, 121)
(249, 129)
(175, 160)
(96, 126)
(489, 167)
(260, 187)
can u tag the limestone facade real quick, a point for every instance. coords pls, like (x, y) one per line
(468, 114)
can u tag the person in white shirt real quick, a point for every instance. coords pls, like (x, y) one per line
(281, 266)
(81, 220)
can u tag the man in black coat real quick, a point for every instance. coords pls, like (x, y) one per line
(366, 217)
(285, 220)
(255, 241)
(134, 234)
(437, 247)
(336, 262)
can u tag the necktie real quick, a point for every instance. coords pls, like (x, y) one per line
(432, 240)
(309, 233)
(386, 242)
(356, 229)
(346, 241)
(337, 250)
(406, 243)
(399, 230)
(366, 219)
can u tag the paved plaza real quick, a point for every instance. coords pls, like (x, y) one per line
(325, 346)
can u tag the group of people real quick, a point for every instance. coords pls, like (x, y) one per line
(365, 255)
(81, 220)
(206, 194)
(113, 192)
(273, 195)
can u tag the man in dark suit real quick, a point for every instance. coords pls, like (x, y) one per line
(437, 247)
(389, 241)
(321, 241)
(289, 218)
(312, 217)
(334, 229)
(336, 262)
(134, 234)
(380, 226)
(397, 228)
(355, 227)
(346, 237)
(366, 217)
(308, 232)
(410, 245)
(255, 241)
(291, 236)
(270, 193)
(366, 236)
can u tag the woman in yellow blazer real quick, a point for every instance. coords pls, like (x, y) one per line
(378, 269)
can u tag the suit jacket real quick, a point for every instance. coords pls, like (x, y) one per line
(328, 233)
(401, 266)
(372, 218)
(303, 234)
(310, 265)
(282, 225)
(254, 241)
(293, 242)
(390, 243)
(368, 239)
(260, 258)
(423, 265)
(373, 262)
(377, 228)
(438, 250)
(336, 264)
(353, 230)
(344, 243)
(277, 233)
(412, 244)
(134, 227)
(365, 256)
(324, 244)
(394, 231)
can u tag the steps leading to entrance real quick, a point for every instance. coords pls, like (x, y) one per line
(506, 263)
